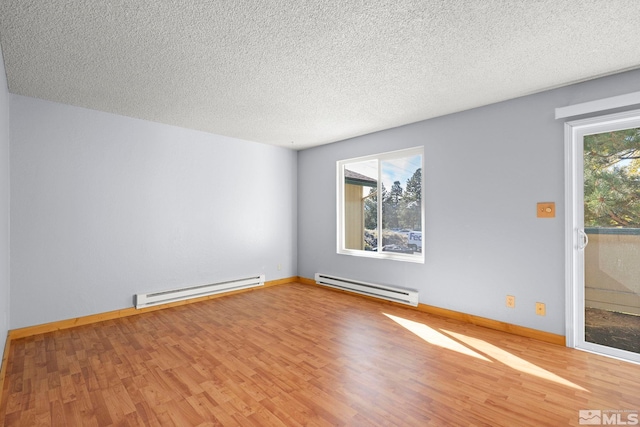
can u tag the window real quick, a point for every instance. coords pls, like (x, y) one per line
(380, 211)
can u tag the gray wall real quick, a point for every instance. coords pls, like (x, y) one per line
(4, 206)
(105, 206)
(485, 170)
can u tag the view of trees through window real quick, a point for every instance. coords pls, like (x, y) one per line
(382, 196)
(612, 179)
(401, 213)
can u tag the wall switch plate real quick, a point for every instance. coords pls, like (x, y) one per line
(511, 301)
(541, 309)
(547, 210)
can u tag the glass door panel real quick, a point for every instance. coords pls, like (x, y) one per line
(611, 186)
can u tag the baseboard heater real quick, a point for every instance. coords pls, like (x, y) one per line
(164, 297)
(391, 293)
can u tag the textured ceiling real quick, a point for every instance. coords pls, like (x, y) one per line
(302, 73)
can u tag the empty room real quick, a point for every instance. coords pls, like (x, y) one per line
(333, 213)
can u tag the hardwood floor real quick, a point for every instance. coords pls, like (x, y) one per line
(304, 355)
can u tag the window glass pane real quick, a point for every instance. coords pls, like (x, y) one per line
(360, 205)
(380, 207)
(612, 222)
(402, 204)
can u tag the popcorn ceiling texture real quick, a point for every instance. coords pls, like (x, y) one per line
(303, 73)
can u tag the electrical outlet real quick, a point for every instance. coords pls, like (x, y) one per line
(279, 267)
(541, 309)
(511, 301)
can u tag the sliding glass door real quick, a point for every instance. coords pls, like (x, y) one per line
(604, 228)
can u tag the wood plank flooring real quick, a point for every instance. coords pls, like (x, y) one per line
(295, 355)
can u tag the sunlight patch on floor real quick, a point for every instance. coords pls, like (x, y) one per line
(479, 349)
(512, 360)
(434, 337)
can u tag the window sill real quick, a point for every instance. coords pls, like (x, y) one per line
(418, 259)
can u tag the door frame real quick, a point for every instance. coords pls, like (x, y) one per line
(574, 131)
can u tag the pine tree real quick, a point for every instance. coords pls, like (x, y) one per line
(371, 210)
(612, 179)
(391, 204)
(411, 214)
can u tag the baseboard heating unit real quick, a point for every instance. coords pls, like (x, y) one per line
(164, 297)
(391, 293)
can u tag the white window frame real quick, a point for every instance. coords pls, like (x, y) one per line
(340, 180)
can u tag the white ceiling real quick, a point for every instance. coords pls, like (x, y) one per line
(299, 73)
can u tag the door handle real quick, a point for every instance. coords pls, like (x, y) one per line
(583, 239)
